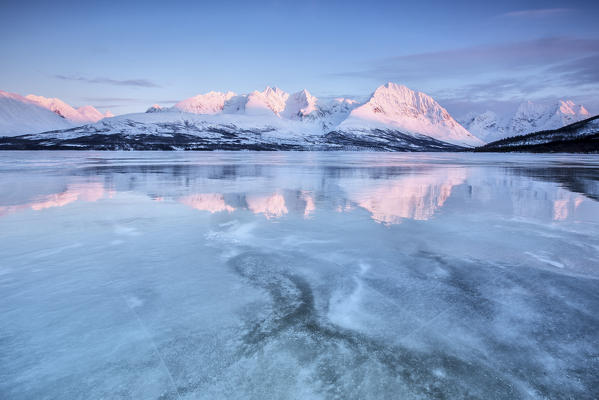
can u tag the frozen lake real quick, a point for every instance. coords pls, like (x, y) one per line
(298, 275)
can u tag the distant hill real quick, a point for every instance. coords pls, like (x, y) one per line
(579, 137)
(529, 117)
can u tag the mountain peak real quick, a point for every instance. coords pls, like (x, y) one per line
(20, 115)
(300, 104)
(304, 92)
(154, 108)
(568, 107)
(398, 107)
(273, 90)
(266, 102)
(83, 114)
(208, 103)
(394, 86)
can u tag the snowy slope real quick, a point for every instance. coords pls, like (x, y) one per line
(394, 106)
(581, 136)
(81, 115)
(268, 101)
(300, 104)
(209, 103)
(19, 115)
(487, 126)
(529, 117)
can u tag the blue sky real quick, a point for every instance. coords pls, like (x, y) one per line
(125, 56)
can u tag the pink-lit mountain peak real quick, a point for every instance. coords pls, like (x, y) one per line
(20, 115)
(208, 103)
(399, 107)
(568, 107)
(394, 99)
(82, 114)
(269, 100)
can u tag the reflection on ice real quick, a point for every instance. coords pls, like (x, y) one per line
(272, 206)
(212, 202)
(91, 191)
(564, 207)
(310, 205)
(388, 194)
(354, 276)
(412, 196)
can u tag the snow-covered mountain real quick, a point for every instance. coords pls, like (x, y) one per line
(31, 114)
(300, 104)
(154, 108)
(397, 107)
(209, 103)
(268, 120)
(271, 100)
(487, 126)
(81, 115)
(529, 117)
(19, 115)
(581, 136)
(392, 117)
(532, 117)
(391, 107)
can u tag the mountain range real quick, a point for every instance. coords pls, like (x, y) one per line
(529, 117)
(393, 118)
(391, 106)
(581, 136)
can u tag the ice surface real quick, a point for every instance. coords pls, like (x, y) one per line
(285, 275)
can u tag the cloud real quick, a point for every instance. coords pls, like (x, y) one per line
(495, 76)
(108, 81)
(577, 72)
(113, 99)
(110, 106)
(502, 72)
(112, 103)
(479, 59)
(484, 91)
(538, 13)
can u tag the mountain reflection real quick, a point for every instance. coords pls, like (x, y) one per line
(388, 193)
(88, 192)
(310, 205)
(272, 206)
(565, 207)
(414, 196)
(211, 202)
